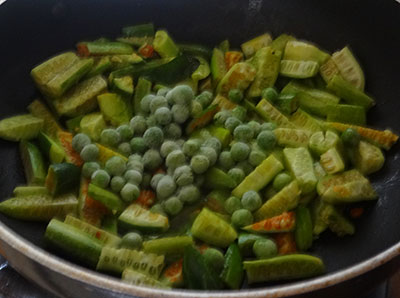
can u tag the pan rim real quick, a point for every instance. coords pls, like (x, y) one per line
(92, 278)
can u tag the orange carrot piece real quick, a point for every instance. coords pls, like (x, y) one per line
(356, 212)
(280, 223)
(146, 51)
(173, 273)
(66, 142)
(232, 57)
(146, 198)
(285, 242)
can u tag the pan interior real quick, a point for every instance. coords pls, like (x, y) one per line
(36, 30)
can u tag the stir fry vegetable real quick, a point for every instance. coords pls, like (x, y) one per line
(179, 165)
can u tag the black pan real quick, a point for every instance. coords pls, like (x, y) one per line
(31, 31)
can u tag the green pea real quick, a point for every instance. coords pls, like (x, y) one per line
(116, 166)
(125, 148)
(129, 192)
(125, 132)
(153, 137)
(237, 174)
(235, 95)
(265, 248)
(251, 200)
(117, 183)
(241, 218)
(232, 204)
(101, 178)
(79, 141)
(138, 145)
(270, 94)
(89, 168)
(199, 163)
(90, 152)
(173, 206)
(266, 140)
(350, 137)
(240, 151)
(214, 258)
(110, 137)
(256, 157)
(281, 180)
(132, 241)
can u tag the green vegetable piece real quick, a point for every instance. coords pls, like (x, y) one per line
(196, 50)
(321, 142)
(32, 160)
(286, 199)
(115, 261)
(265, 248)
(100, 66)
(142, 89)
(218, 179)
(39, 207)
(270, 114)
(267, 62)
(260, 177)
(58, 74)
(347, 187)
(81, 99)
(300, 164)
(328, 70)
(218, 66)
(304, 228)
(238, 77)
(164, 45)
(67, 78)
(212, 229)
(137, 217)
(123, 85)
(347, 114)
(368, 158)
(109, 199)
(98, 48)
(319, 225)
(349, 93)
(92, 125)
(302, 51)
(168, 245)
(141, 30)
(288, 137)
(287, 267)
(54, 152)
(232, 274)
(22, 127)
(26, 191)
(251, 47)
(280, 42)
(48, 70)
(302, 119)
(311, 100)
(224, 45)
(73, 242)
(332, 161)
(203, 71)
(222, 134)
(73, 125)
(197, 274)
(106, 238)
(298, 69)
(336, 222)
(139, 279)
(62, 178)
(50, 126)
(114, 109)
(349, 68)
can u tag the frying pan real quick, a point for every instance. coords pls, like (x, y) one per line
(31, 31)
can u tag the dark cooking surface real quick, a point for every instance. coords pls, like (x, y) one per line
(34, 30)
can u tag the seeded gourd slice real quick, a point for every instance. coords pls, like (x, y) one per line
(139, 279)
(298, 69)
(349, 68)
(21, 127)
